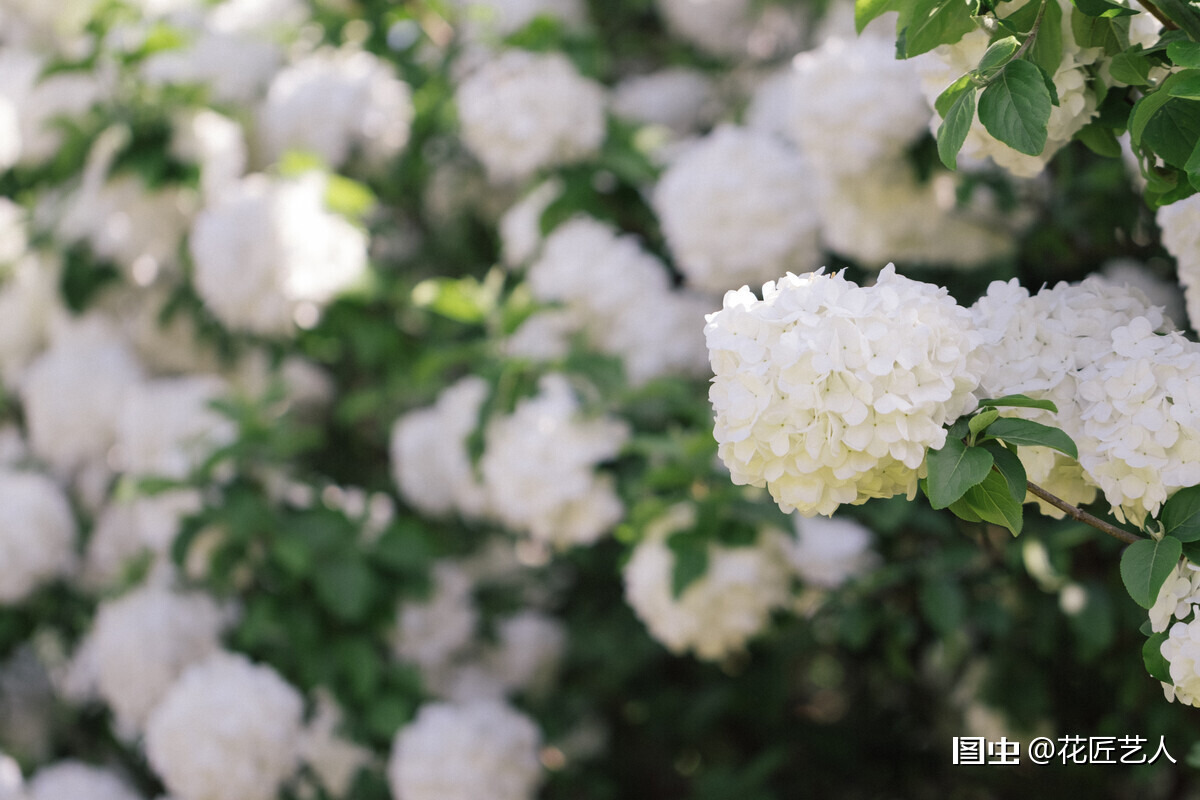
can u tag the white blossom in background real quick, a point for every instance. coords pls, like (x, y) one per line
(430, 462)
(500, 18)
(34, 103)
(167, 428)
(334, 102)
(733, 28)
(888, 213)
(522, 111)
(1133, 274)
(529, 647)
(216, 144)
(430, 632)
(228, 729)
(719, 612)
(738, 207)
(681, 99)
(1182, 652)
(75, 780)
(465, 752)
(37, 534)
(1038, 346)
(853, 104)
(268, 255)
(29, 302)
(334, 759)
(143, 640)
(520, 227)
(539, 467)
(827, 552)
(127, 530)
(1180, 226)
(829, 393)
(166, 339)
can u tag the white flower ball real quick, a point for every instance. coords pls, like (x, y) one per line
(29, 301)
(74, 780)
(334, 101)
(720, 611)
(143, 640)
(678, 98)
(1179, 592)
(167, 427)
(213, 142)
(529, 647)
(523, 111)
(734, 28)
(1180, 226)
(126, 530)
(465, 752)
(228, 729)
(738, 207)
(37, 534)
(268, 255)
(500, 18)
(1182, 652)
(429, 633)
(829, 393)
(539, 468)
(828, 552)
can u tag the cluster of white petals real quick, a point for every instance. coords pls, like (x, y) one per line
(430, 632)
(1179, 592)
(37, 534)
(228, 729)
(738, 207)
(829, 393)
(127, 530)
(620, 296)
(141, 642)
(1180, 225)
(333, 759)
(539, 467)
(523, 111)
(719, 612)
(1182, 652)
(464, 752)
(334, 101)
(504, 17)
(268, 254)
(167, 426)
(827, 552)
(678, 98)
(733, 28)
(75, 780)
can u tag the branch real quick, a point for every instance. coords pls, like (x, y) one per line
(1158, 15)
(1079, 515)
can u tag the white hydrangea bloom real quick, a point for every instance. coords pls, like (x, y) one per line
(1133, 274)
(1039, 346)
(720, 611)
(888, 213)
(1179, 592)
(853, 104)
(830, 393)
(520, 227)
(539, 467)
(269, 250)
(167, 428)
(465, 752)
(235, 67)
(37, 534)
(738, 207)
(334, 101)
(333, 759)
(733, 28)
(127, 530)
(29, 302)
(681, 99)
(142, 642)
(429, 633)
(530, 645)
(523, 111)
(75, 780)
(228, 729)
(829, 552)
(502, 18)
(430, 462)
(12, 785)
(216, 144)
(1182, 652)
(1180, 226)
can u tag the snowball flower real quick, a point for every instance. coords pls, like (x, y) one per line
(677, 98)
(430, 632)
(1179, 592)
(829, 552)
(720, 611)
(505, 17)
(37, 534)
(739, 206)
(539, 467)
(75, 780)
(1182, 652)
(269, 255)
(228, 729)
(733, 28)
(167, 426)
(465, 752)
(523, 111)
(829, 393)
(334, 101)
(1180, 226)
(128, 529)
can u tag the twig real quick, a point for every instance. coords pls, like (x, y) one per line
(1079, 515)
(1158, 15)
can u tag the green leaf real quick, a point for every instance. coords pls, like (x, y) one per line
(463, 300)
(1047, 48)
(867, 10)
(951, 94)
(1180, 515)
(1173, 131)
(1026, 432)
(1145, 566)
(347, 197)
(993, 502)
(1015, 107)
(346, 587)
(981, 420)
(1185, 84)
(1153, 658)
(1184, 54)
(1103, 8)
(1100, 139)
(1010, 466)
(942, 604)
(1130, 68)
(962, 509)
(936, 22)
(1019, 401)
(954, 128)
(691, 561)
(1111, 34)
(1147, 106)
(1183, 14)
(999, 53)
(954, 469)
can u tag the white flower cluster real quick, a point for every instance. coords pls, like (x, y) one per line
(228, 729)
(678, 98)
(333, 102)
(167, 426)
(718, 613)
(1180, 225)
(464, 752)
(733, 28)
(539, 467)
(828, 552)
(37, 534)
(268, 255)
(829, 393)
(75, 780)
(738, 207)
(523, 111)
(1175, 612)
(504, 17)
(621, 298)
(429, 633)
